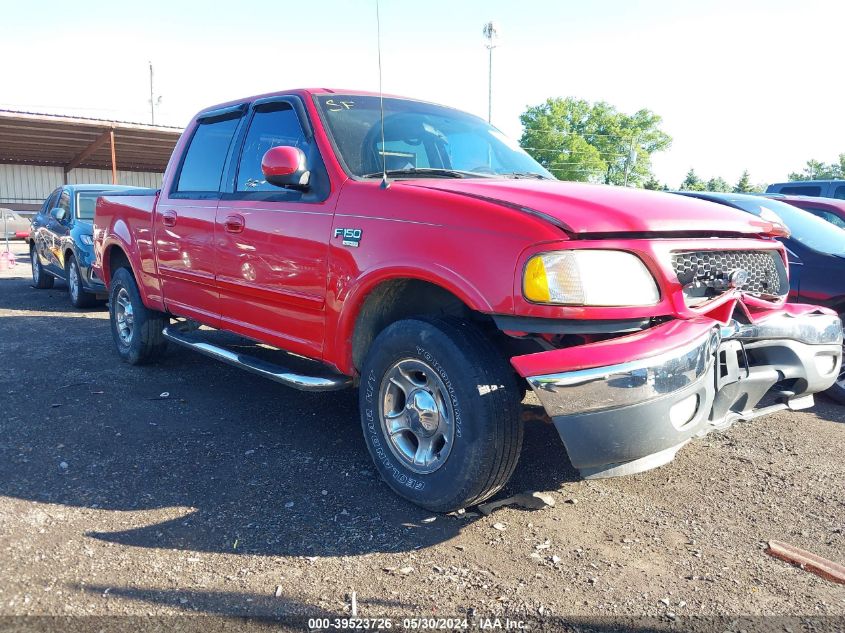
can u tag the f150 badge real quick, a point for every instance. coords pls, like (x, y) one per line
(351, 237)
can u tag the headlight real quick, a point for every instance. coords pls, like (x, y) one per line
(589, 277)
(86, 239)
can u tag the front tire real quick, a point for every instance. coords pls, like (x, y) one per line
(41, 279)
(136, 330)
(440, 413)
(78, 296)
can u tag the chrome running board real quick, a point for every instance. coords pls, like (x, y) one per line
(325, 382)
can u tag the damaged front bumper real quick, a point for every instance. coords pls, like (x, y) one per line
(628, 404)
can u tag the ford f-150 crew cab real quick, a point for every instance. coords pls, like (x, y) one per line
(427, 259)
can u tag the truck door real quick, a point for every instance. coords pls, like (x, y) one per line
(184, 221)
(272, 242)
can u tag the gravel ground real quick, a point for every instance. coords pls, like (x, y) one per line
(238, 497)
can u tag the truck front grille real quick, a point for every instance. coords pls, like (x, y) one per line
(707, 274)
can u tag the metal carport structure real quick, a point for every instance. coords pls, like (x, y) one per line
(28, 138)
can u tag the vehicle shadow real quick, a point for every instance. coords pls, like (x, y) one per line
(267, 608)
(53, 299)
(258, 468)
(827, 408)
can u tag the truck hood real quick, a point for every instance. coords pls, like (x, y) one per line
(580, 208)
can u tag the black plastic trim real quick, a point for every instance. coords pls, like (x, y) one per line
(539, 325)
(296, 103)
(221, 114)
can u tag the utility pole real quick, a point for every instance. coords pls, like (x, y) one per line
(491, 34)
(632, 158)
(152, 102)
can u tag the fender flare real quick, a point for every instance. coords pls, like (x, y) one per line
(351, 299)
(121, 238)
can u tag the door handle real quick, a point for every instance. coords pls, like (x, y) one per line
(168, 218)
(234, 223)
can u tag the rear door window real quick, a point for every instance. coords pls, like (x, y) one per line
(802, 190)
(202, 167)
(839, 192)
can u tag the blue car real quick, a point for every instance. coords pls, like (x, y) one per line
(61, 242)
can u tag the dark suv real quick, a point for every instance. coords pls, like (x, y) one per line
(61, 244)
(815, 188)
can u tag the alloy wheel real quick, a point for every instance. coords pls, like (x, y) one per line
(124, 316)
(417, 415)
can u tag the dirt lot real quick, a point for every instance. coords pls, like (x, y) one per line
(238, 497)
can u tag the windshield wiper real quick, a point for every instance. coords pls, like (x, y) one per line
(526, 174)
(424, 172)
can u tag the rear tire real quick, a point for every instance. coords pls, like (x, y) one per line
(136, 330)
(41, 279)
(440, 413)
(78, 296)
(837, 390)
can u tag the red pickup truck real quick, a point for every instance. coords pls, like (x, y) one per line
(413, 251)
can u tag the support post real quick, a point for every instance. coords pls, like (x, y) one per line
(113, 159)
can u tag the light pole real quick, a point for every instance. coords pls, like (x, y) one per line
(153, 101)
(491, 34)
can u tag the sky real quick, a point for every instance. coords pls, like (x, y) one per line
(740, 84)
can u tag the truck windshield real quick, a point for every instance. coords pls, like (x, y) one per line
(420, 139)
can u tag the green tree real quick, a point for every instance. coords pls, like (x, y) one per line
(593, 142)
(653, 184)
(744, 184)
(717, 184)
(817, 170)
(692, 182)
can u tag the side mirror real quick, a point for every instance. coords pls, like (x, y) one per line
(284, 166)
(59, 214)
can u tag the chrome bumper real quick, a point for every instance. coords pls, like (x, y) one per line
(634, 415)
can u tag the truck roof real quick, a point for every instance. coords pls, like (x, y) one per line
(821, 181)
(304, 92)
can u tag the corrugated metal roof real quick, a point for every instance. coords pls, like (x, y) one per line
(30, 138)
